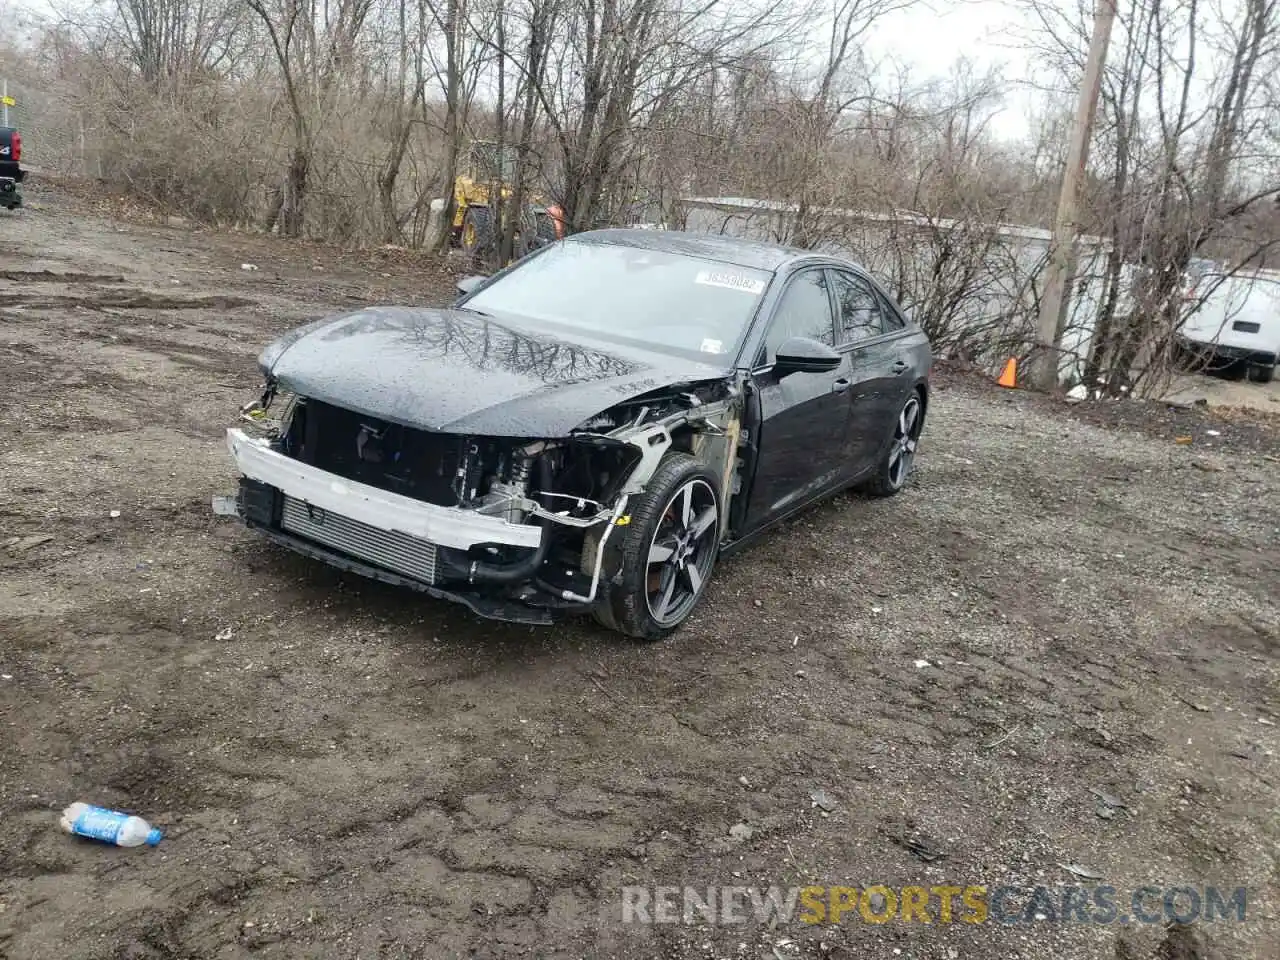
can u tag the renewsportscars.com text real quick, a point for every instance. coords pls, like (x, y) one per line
(972, 903)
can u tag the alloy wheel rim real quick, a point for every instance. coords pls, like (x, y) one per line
(906, 434)
(681, 552)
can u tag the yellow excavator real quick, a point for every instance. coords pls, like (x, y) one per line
(487, 168)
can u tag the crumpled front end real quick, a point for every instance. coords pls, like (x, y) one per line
(515, 528)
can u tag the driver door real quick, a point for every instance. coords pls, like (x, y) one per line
(804, 417)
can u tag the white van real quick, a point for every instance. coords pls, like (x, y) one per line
(1238, 321)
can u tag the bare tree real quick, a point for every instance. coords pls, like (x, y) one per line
(465, 44)
(313, 45)
(538, 28)
(348, 118)
(171, 38)
(622, 61)
(402, 101)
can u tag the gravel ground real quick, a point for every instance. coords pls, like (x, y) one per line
(346, 770)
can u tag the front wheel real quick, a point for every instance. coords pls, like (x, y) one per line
(659, 562)
(895, 464)
(477, 231)
(1262, 373)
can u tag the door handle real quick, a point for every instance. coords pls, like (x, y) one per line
(899, 366)
(841, 385)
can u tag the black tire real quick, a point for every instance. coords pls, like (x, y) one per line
(644, 594)
(526, 238)
(1262, 373)
(1198, 360)
(894, 469)
(1237, 369)
(545, 227)
(1185, 359)
(477, 231)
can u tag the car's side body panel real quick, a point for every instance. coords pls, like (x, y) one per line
(819, 433)
(804, 419)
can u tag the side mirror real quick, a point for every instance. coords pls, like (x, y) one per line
(803, 355)
(467, 284)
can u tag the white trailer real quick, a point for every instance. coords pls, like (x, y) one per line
(1234, 320)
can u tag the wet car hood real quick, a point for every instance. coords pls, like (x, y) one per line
(455, 371)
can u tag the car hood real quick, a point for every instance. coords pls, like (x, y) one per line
(456, 371)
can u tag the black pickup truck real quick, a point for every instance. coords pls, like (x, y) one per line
(11, 173)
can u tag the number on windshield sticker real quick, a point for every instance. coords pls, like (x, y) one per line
(730, 281)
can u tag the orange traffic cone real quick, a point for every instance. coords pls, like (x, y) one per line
(1009, 375)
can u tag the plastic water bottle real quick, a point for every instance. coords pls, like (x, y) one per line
(109, 826)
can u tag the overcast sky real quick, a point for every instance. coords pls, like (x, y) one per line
(931, 36)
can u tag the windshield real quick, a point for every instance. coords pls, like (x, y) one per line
(666, 301)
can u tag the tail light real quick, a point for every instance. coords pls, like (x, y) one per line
(16, 141)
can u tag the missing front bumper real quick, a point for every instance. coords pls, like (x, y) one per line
(391, 558)
(484, 605)
(500, 569)
(396, 552)
(445, 526)
(284, 520)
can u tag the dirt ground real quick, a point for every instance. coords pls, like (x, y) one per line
(347, 770)
(1228, 389)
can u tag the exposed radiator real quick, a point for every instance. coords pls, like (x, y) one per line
(398, 552)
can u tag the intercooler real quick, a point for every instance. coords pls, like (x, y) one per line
(397, 552)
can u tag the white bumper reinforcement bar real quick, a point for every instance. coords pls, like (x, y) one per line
(446, 526)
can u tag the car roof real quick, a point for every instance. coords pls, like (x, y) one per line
(709, 246)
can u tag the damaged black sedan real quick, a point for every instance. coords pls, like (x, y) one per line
(587, 430)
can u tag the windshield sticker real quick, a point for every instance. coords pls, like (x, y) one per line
(731, 281)
(712, 346)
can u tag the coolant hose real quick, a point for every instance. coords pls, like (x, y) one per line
(480, 572)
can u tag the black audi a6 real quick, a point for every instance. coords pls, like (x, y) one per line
(589, 429)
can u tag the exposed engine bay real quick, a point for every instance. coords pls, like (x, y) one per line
(524, 519)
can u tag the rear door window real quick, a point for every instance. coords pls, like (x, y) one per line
(893, 318)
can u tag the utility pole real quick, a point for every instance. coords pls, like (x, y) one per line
(1053, 304)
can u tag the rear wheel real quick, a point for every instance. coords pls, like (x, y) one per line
(1262, 373)
(659, 562)
(895, 464)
